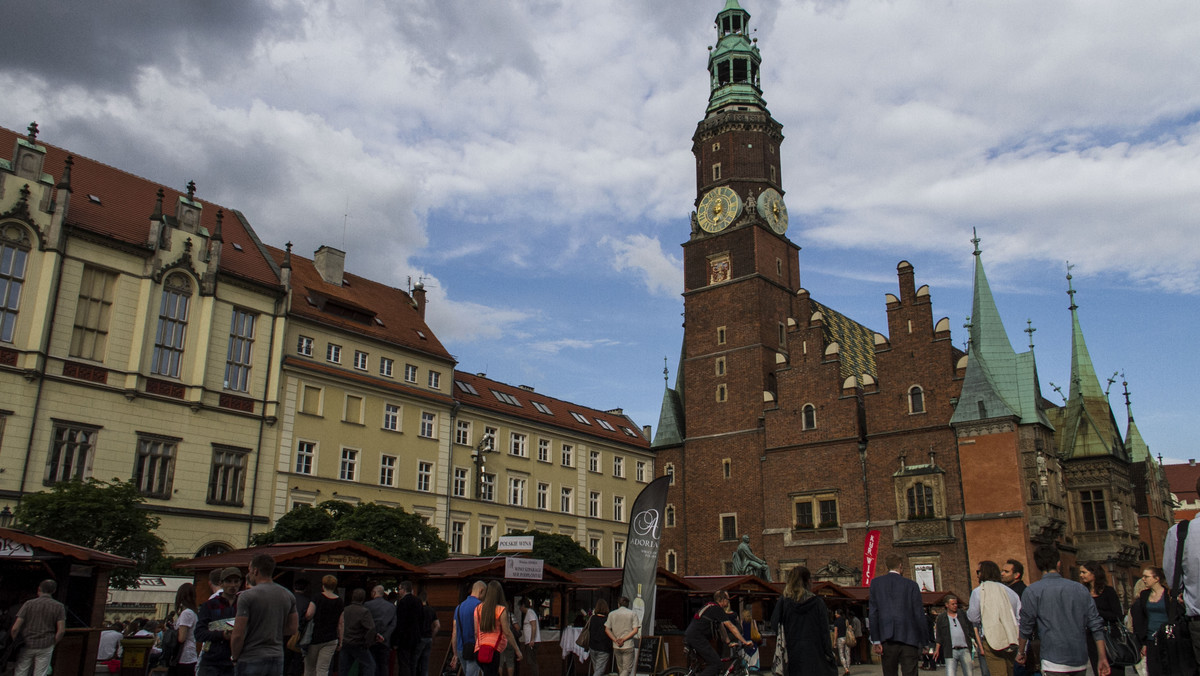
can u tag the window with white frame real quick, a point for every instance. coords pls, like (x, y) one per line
(594, 547)
(516, 491)
(13, 258)
(565, 501)
(640, 471)
(489, 438)
(424, 476)
(618, 508)
(410, 373)
(568, 455)
(435, 380)
(672, 561)
(71, 452)
(348, 469)
(543, 450)
(89, 335)
(172, 326)
(618, 467)
(306, 454)
(916, 399)
(487, 487)
(154, 468)
(669, 472)
(594, 504)
(385, 367)
(333, 353)
(669, 517)
(391, 417)
(304, 346)
(360, 360)
(543, 495)
(462, 432)
(458, 531)
(518, 444)
(227, 477)
(238, 357)
(485, 535)
(428, 425)
(387, 470)
(593, 461)
(618, 553)
(461, 475)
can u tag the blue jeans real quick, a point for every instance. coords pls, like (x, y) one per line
(354, 653)
(959, 659)
(470, 667)
(423, 656)
(271, 666)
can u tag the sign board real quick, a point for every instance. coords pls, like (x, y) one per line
(923, 573)
(648, 655)
(515, 543)
(522, 569)
(15, 550)
(343, 560)
(870, 557)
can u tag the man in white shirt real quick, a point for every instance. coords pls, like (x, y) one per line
(1190, 576)
(622, 627)
(531, 635)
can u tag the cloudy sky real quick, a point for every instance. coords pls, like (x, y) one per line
(531, 161)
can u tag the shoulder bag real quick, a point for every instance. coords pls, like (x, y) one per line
(1123, 648)
(1173, 640)
(585, 635)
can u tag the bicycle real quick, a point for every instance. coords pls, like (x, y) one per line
(735, 664)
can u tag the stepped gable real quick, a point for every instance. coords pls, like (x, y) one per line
(520, 402)
(124, 202)
(359, 305)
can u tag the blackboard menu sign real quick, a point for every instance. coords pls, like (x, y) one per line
(648, 655)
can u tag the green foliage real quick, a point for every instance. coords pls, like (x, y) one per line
(560, 551)
(391, 530)
(102, 515)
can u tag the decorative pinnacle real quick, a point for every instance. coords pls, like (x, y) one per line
(1070, 288)
(191, 190)
(1030, 330)
(666, 372)
(217, 233)
(33, 132)
(1111, 379)
(1125, 384)
(975, 241)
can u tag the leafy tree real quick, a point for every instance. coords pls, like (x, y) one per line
(560, 551)
(393, 531)
(304, 523)
(102, 515)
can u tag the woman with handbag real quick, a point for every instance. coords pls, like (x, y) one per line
(493, 630)
(750, 630)
(801, 623)
(1149, 613)
(1094, 577)
(600, 648)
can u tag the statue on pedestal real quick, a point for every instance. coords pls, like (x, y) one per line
(746, 563)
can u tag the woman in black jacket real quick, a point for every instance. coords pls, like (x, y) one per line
(1093, 576)
(802, 621)
(1149, 612)
(600, 650)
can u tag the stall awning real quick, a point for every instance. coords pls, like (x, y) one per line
(340, 556)
(15, 545)
(491, 567)
(597, 578)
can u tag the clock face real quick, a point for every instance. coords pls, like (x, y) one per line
(771, 206)
(718, 209)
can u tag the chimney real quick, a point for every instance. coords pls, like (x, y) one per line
(418, 295)
(330, 264)
(1192, 462)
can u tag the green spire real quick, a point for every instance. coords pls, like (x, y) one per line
(671, 429)
(1138, 450)
(1083, 374)
(999, 382)
(734, 64)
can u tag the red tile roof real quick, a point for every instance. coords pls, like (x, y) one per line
(126, 202)
(624, 430)
(286, 552)
(67, 549)
(1182, 481)
(398, 321)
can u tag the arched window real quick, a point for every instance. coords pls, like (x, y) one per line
(172, 326)
(669, 471)
(916, 399)
(672, 561)
(810, 417)
(14, 255)
(920, 501)
(670, 516)
(212, 549)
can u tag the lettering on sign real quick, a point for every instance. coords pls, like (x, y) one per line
(515, 543)
(343, 560)
(15, 550)
(522, 569)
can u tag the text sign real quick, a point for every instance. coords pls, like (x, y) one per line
(870, 557)
(515, 543)
(648, 655)
(15, 550)
(343, 560)
(522, 569)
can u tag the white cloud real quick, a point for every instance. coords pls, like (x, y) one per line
(661, 273)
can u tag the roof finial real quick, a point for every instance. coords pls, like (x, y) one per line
(1125, 384)
(158, 215)
(191, 190)
(1070, 288)
(1111, 379)
(33, 132)
(1030, 330)
(666, 372)
(65, 183)
(975, 241)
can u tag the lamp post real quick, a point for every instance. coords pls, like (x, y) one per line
(6, 517)
(486, 445)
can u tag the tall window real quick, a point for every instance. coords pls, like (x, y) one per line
(462, 433)
(618, 466)
(428, 424)
(489, 438)
(361, 360)
(916, 400)
(1095, 516)
(640, 471)
(333, 353)
(518, 445)
(809, 417)
(829, 516)
(71, 453)
(458, 531)
(485, 535)
(543, 496)
(568, 455)
(729, 527)
(172, 326)
(348, 468)
(410, 373)
(304, 346)
(672, 561)
(804, 514)
(565, 502)
(237, 361)
(89, 337)
(12, 278)
(460, 482)
(435, 379)
(594, 547)
(594, 504)
(516, 491)
(669, 472)
(424, 476)
(920, 501)
(385, 367)
(227, 479)
(669, 517)
(154, 468)
(594, 461)
(618, 553)
(543, 450)
(391, 417)
(618, 508)
(387, 470)
(306, 453)
(487, 487)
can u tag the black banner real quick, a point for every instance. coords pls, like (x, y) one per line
(641, 550)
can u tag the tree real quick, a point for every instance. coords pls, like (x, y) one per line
(108, 516)
(391, 530)
(560, 551)
(304, 523)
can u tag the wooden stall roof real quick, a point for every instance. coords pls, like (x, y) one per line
(829, 590)
(598, 578)
(734, 584)
(336, 556)
(47, 548)
(490, 567)
(929, 598)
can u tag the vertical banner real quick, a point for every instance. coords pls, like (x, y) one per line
(641, 551)
(870, 557)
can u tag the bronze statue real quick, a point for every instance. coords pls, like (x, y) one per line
(746, 563)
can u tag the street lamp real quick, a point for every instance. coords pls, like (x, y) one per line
(6, 517)
(486, 445)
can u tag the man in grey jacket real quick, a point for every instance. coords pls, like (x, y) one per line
(384, 615)
(1065, 616)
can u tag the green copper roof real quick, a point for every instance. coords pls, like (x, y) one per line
(671, 428)
(733, 5)
(1138, 450)
(999, 382)
(734, 63)
(856, 343)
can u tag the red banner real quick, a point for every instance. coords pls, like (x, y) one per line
(870, 556)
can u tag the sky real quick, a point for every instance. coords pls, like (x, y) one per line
(530, 162)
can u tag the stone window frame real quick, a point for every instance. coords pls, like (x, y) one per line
(815, 499)
(916, 400)
(906, 479)
(808, 417)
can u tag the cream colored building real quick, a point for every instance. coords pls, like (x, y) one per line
(139, 337)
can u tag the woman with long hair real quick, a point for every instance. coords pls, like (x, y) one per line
(801, 622)
(493, 629)
(327, 610)
(1095, 578)
(185, 628)
(1149, 613)
(601, 648)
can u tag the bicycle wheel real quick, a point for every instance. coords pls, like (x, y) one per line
(675, 671)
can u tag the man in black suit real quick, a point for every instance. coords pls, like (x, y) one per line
(898, 626)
